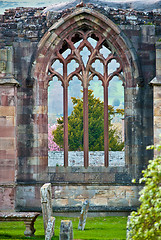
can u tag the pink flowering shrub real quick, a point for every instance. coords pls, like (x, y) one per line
(52, 146)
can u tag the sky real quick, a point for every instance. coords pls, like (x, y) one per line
(5, 4)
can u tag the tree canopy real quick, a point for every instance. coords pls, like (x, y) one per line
(96, 126)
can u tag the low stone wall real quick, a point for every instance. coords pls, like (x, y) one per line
(68, 199)
(76, 158)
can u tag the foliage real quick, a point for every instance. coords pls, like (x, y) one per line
(149, 23)
(98, 228)
(145, 224)
(52, 146)
(96, 126)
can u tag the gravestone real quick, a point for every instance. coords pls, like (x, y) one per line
(50, 228)
(46, 204)
(83, 215)
(66, 230)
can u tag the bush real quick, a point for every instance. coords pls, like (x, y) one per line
(146, 222)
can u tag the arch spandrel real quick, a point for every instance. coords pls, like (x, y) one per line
(87, 18)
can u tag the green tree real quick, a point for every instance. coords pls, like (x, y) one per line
(145, 224)
(96, 126)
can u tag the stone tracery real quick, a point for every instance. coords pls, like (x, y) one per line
(81, 55)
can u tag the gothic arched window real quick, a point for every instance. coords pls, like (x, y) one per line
(85, 54)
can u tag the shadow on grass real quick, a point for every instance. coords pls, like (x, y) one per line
(8, 236)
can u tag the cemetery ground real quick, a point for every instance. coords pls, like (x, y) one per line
(95, 228)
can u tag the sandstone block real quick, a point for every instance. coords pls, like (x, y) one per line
(7, 143)
(7, 110)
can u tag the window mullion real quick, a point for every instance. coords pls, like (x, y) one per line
(106, 141)
(85, 126)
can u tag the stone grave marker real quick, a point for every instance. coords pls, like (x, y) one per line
(50, 228)
(83, 215)
(46, 204)
(66, 230)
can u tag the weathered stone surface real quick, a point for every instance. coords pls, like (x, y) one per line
(83, 215)
(23, 110)
(156, 82)
(46, 203)
(76, 158)
(50, 228)
(7, 194)
(66, 230)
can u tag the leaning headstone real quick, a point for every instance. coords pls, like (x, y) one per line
(66, 230)
(83, 215)
(50, 229)
(128, 227)
(46, 203)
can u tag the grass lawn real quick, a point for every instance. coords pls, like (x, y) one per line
(96, 228)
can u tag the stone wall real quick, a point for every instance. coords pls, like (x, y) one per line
(69, 198)
(23, 115)
(156, 83)
(8, 129)
(96, 158)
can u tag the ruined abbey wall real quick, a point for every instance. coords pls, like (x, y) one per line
(23, 116)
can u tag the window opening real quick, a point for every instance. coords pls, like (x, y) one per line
(85, 53)
(55, 111)
(75, 123)
(66, 53)
(93, 42)
(116, 136)
(98, 66)
(105, 51)
(57, 66)
(113, 66)
(96, 123)
(72, 66)
(98, 63)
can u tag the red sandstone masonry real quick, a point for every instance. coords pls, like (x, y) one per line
(32, 152)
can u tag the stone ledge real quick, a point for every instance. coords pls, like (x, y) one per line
(78, 209)
(95, 209)
(155, 81)
(90, 169)
(9, 81)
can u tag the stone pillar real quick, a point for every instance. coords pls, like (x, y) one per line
(8, 136)
(156, 82)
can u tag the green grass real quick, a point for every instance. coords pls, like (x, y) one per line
(96, 228)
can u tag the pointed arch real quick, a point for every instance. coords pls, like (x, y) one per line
(59, 38)
(84, 18)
